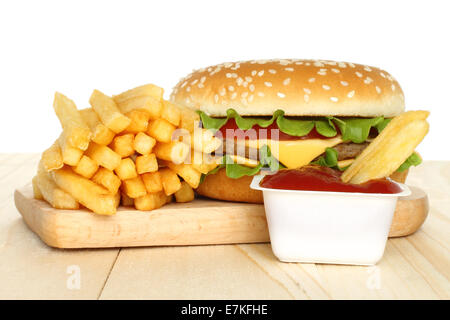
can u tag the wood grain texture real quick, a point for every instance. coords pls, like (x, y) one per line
(202, 221)
(417, 266)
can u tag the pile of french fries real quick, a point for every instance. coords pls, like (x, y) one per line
(134, 149)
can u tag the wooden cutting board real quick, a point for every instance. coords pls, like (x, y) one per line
(202, 221)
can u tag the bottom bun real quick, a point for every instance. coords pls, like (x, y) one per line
(219, 186)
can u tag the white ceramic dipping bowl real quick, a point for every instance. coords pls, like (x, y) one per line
(328, 227)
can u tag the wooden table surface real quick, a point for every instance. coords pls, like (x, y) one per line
(414, 267)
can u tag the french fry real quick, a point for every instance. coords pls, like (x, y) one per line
(70, 155)
(117, 198)
(203, 162)
(174, 151)
(139, 121)
(104, 156)
(189, 118)
(52, 158)
(171, 113)
(37, 194)
(145, 103)
(145, 90)
(150, 201)
(185, 194)
(86, 167)
(170, 181)
(161, 130)
(126, 169)
(76, 130)
(146, 163)
(187, 172)
(203, 140)
(123, 145)
(107, 179)
(100, 133)
(389, 149)
(134, 188)
(126, 200)
(143, 143)
(108, 112)
(85, 191)
(55, 196)
(152, 181)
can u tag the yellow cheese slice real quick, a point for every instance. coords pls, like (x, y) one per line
(296, 153)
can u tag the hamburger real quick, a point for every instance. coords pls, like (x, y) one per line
(290, 113)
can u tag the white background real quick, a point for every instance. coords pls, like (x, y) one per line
(76, 46)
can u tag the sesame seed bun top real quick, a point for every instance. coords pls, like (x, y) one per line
(299, 87)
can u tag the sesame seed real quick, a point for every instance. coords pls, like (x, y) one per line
(251, 87)
(368, 80)
(393, 87)
(390, 77)
(245, 84)
(230, 88)
(261, 61)
(344, 83)
(216, 98)
(260, 73)
(281, 95)
(209, 69)
(239, 81)
(322, 72)
(342, 65)
(260, 94)
(367, 68)
(334, 99)
(200, 85)
(289, 69)
(184, 84)
(335, 70)
(359, 74)
(234, 75)
(228, 75)
(284, 62)
(228, 64)
(325, 87)
(378, 89)
(331, 63)
(268, 84)
(250, 99)
(383, 75)
(244, 94)
(351, 94)
(307, 64)
(222, 91)
(194, 82)
(299, 63)
(233, 95)
(307, 90)
(311, 80)
(286, 81)
(188, 89)
(202, 79)
(318, 64)
(254, 72)
(306, 98)
(248, 79)
(351, 65)
(272, 71)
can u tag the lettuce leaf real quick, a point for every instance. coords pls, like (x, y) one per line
(329, 159)
(413, 160)
(352, 129)
(356, 129)
(235, 171)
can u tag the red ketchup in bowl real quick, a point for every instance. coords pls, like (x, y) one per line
(315, 178)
